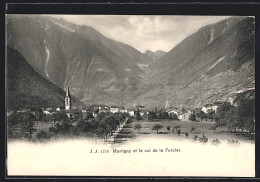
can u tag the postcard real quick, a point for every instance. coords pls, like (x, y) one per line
(130, 95)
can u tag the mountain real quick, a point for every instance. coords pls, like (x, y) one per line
(26, 88)
(96, 68)
(212, 64)
(215, 63)
(155, 55)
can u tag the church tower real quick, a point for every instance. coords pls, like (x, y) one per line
(167, 105)
(68, 100)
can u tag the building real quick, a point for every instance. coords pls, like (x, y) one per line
(131, 112)
(114, 109)
(140, 107)
(142, 113)
(68, 100)
(59, 108)
(184, 116)
(99, 106)
(68, 110)
(211, 107)
(167, 106)
(123, 110)
(172, 111)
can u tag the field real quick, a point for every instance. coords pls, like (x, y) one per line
(128, 132)
(221, 133)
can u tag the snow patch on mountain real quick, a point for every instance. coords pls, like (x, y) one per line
(67, 28)
(211, 36)
(218, 61)
(245, 89)
(127, 69)
(101, 70)
(142, 66)
(47, 59)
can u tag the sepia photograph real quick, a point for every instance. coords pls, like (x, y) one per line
(130, 95)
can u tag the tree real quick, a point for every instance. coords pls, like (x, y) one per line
(77, 115)
(165, 115)
(192, 129)
(176, 127)
(173, 116)
(202, 115)
(137, 127)
(38, 113)
(179, 131)
(246, 114)
(27, 125)
(250, 126)
(159, 114)
(14, 119)
(42, 135)
(222, 114)
(210, 115)
(214, 127)
(232, 119)
(157, 127)
(203, 139)
(151, 115)
(138, 115)
(192, 117)
(168, 128)
(59, 116)
(63, 127)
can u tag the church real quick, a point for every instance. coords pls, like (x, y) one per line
(68, 111)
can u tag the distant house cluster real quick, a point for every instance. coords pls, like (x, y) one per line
(212, 107)
(183, 114)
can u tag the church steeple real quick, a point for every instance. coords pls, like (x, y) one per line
(166, 104)
(68, 92)
(68, 100)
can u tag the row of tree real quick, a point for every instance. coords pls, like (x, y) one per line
(102, 126)
(156, 115)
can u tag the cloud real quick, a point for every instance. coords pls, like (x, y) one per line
(145, 32)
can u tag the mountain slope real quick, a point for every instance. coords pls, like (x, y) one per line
(26, 88)
(96, 68)
(215, 63)
(212, 64)
(155, 55)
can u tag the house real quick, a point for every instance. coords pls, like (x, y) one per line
(123, 110)
(207, 108)
(59, 108)
(90, 111)
(47, 111)
(69, 113)
(142, 113)
(131, 112)
(140, 107)
(23, 111)
(99, 106)
(212, 107)
(103, 110)
(87, 115)
(9, 113)
(184, 116)
(172, 111)
(114, 109)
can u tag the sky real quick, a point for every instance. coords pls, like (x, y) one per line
(144, 32)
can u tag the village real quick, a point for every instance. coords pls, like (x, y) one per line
(112, 123)
(167, 112)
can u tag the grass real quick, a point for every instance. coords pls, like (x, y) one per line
(201, 128)
(128, 131)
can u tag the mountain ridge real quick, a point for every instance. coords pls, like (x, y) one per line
(102, 70)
